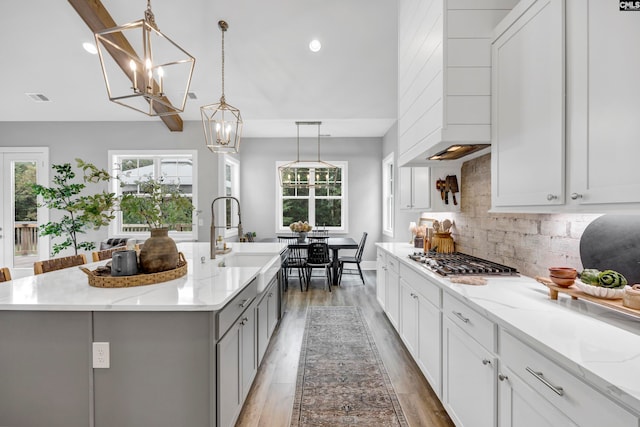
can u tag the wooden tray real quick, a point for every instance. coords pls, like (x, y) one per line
(575, 293)
(99, 281)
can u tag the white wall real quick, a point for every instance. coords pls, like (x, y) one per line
(258, 158)
(90, 141)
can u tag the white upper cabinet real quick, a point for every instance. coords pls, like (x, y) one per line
(527, 151)
(603, 96)
(415, 188)
(444, 74)
(573, 153)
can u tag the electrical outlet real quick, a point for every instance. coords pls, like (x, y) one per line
(101, 355)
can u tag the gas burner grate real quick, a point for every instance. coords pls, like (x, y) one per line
(459, 264)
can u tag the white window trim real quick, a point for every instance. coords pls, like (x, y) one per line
(223, 161)
(345, 200)
(177, 236)
(386, 162)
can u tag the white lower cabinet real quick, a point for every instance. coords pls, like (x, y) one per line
(469, 379)
(485, 375)
(520, 406)
(381, 276)
(551, 384)
(420, 324)
(236, 355)
(393, 292)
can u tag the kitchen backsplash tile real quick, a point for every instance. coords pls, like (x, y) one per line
(529, 242)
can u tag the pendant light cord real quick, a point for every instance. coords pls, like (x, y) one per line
(223, 27)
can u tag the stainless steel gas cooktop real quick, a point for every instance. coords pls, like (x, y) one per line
(459, 264)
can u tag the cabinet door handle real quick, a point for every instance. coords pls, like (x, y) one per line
(576, 196)
(414, 296)
(486, 362)
(270, 295)
(460, 316)
(244, 302)
(551, 197)
(244, 321)
(502, 377)
(557, 390)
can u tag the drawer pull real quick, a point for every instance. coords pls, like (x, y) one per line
(270, 294)
(502, 377)
(557, 390)
(244, 302)
(244, 321)
(460, 316)
(486, 362)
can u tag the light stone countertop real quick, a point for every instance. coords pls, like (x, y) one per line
(594, 343)
(205, 287)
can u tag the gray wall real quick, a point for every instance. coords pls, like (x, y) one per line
(258, 158)
(91, 141)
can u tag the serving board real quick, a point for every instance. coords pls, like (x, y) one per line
(575, 293)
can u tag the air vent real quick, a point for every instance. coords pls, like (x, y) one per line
(38, 97)
(192, 95)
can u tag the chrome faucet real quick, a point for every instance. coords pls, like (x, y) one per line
(213, 224)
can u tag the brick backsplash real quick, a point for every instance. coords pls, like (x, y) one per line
(529, 242)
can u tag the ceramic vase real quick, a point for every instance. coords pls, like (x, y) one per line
(159, 252)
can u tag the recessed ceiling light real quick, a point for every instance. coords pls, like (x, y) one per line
(90, 47)
(315, 45)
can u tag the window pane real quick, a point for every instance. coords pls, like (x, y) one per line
(294, 210)
(328, 212)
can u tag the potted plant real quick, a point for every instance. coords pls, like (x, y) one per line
(80, 211)
(161, 206)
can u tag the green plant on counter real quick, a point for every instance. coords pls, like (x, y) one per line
(80, 212)
(157, 204)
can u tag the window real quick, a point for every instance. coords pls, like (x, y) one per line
(323, 204)
(175, 167)
(387, 195)
(229, 185)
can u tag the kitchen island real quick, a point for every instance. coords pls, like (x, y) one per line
(172, 346)
(505, 354)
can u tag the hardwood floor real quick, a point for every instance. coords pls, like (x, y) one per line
(270, 399)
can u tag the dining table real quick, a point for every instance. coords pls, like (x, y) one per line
(334, 243)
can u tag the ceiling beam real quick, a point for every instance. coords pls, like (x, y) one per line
(97, 18)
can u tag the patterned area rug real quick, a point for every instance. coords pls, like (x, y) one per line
(341, 379)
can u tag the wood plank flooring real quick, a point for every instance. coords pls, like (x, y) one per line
(270, 399)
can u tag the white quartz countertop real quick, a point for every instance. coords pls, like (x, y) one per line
(594, 343)
(205, 287)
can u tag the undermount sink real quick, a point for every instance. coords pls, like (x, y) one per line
(269, 265)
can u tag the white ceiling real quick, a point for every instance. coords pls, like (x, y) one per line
(270, 74)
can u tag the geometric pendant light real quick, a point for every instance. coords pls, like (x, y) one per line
(222, 122)
(143, 68)
(308, 173)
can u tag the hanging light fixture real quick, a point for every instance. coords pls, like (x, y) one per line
(222, 123)
(157, 72)
(296, 174)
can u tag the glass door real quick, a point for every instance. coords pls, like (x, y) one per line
(20, 215)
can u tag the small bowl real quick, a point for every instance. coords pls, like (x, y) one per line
(563, 272)
(565, 283)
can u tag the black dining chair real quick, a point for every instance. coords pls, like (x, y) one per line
(318, 257)
(352, 260)
(296, 259)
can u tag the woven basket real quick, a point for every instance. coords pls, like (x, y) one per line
(99, 281)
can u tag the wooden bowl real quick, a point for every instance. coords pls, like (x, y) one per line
(563, 272)
(565, 283)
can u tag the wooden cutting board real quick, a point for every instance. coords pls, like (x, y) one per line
(612, 242)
